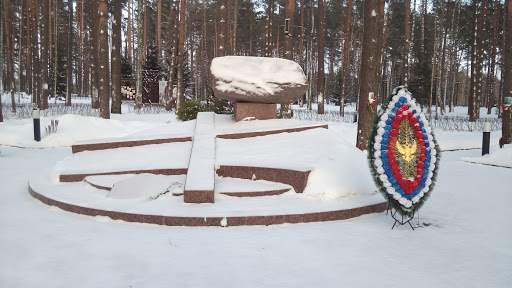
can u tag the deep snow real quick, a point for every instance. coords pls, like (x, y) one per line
(464, 240)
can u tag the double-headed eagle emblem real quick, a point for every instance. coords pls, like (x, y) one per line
(407, 150)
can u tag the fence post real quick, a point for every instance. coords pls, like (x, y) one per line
(486, 138)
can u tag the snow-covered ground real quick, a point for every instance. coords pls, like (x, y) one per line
(464, 240)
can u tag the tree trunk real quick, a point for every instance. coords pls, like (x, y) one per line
(1, 61)
(250, 36)
(140, 55)
(229, 47)
(345, 60)
(321, 52)
(370, 69)
(93, 40)
(129, 32)
(472, 104)
(80, 48)
(443, 67)
(55, 53)
(1, 54)
(36, 69)
(409, 57)
(203, 53)
(69, 56)
(407, 41)
(506, 129)
(482, 35)
(116, 57)
(223, 29)
(28, 58)
(172, 64)
(422, 30)
(86, 79)
(44, 54)
(268, 46)
(309, 94)
(159, 30)
(20, 51)
(454, 64)
(104, 91)
(277, 41)
(235, 27)
(289, 12)
(9, 46)
(181, 53)
(492, 79)
(144, 9)
(301, 41)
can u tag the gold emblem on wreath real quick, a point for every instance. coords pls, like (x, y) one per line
(406, 150)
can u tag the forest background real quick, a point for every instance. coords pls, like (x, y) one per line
(449, 53)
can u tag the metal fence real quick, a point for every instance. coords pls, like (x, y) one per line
(444, 122)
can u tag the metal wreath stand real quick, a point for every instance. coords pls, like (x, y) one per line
(401, 220)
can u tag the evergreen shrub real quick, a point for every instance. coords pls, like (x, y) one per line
(189, 109)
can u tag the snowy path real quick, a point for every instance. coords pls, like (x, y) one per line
(467, 245)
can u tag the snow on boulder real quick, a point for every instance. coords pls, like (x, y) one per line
(258, 79)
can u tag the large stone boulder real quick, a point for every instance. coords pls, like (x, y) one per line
(257, 79)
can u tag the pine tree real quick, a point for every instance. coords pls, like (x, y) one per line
(321, 53)
(104, 91)
(506, 129)
(181, 54)
(10, 63)
(140, 54)
(345, 59)
(44, 54)
(93, 42)
(116, 57)
(1, 63)
(286, 111)
(172, 62)
(126, 66)
(370, 69)
(69, 69)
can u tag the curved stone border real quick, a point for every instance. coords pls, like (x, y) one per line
(97, 186)
(269, 132)
(80, 177)
(256, 193)
(297, 179)
(232, 194)
(214, 221)
(111, 145)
